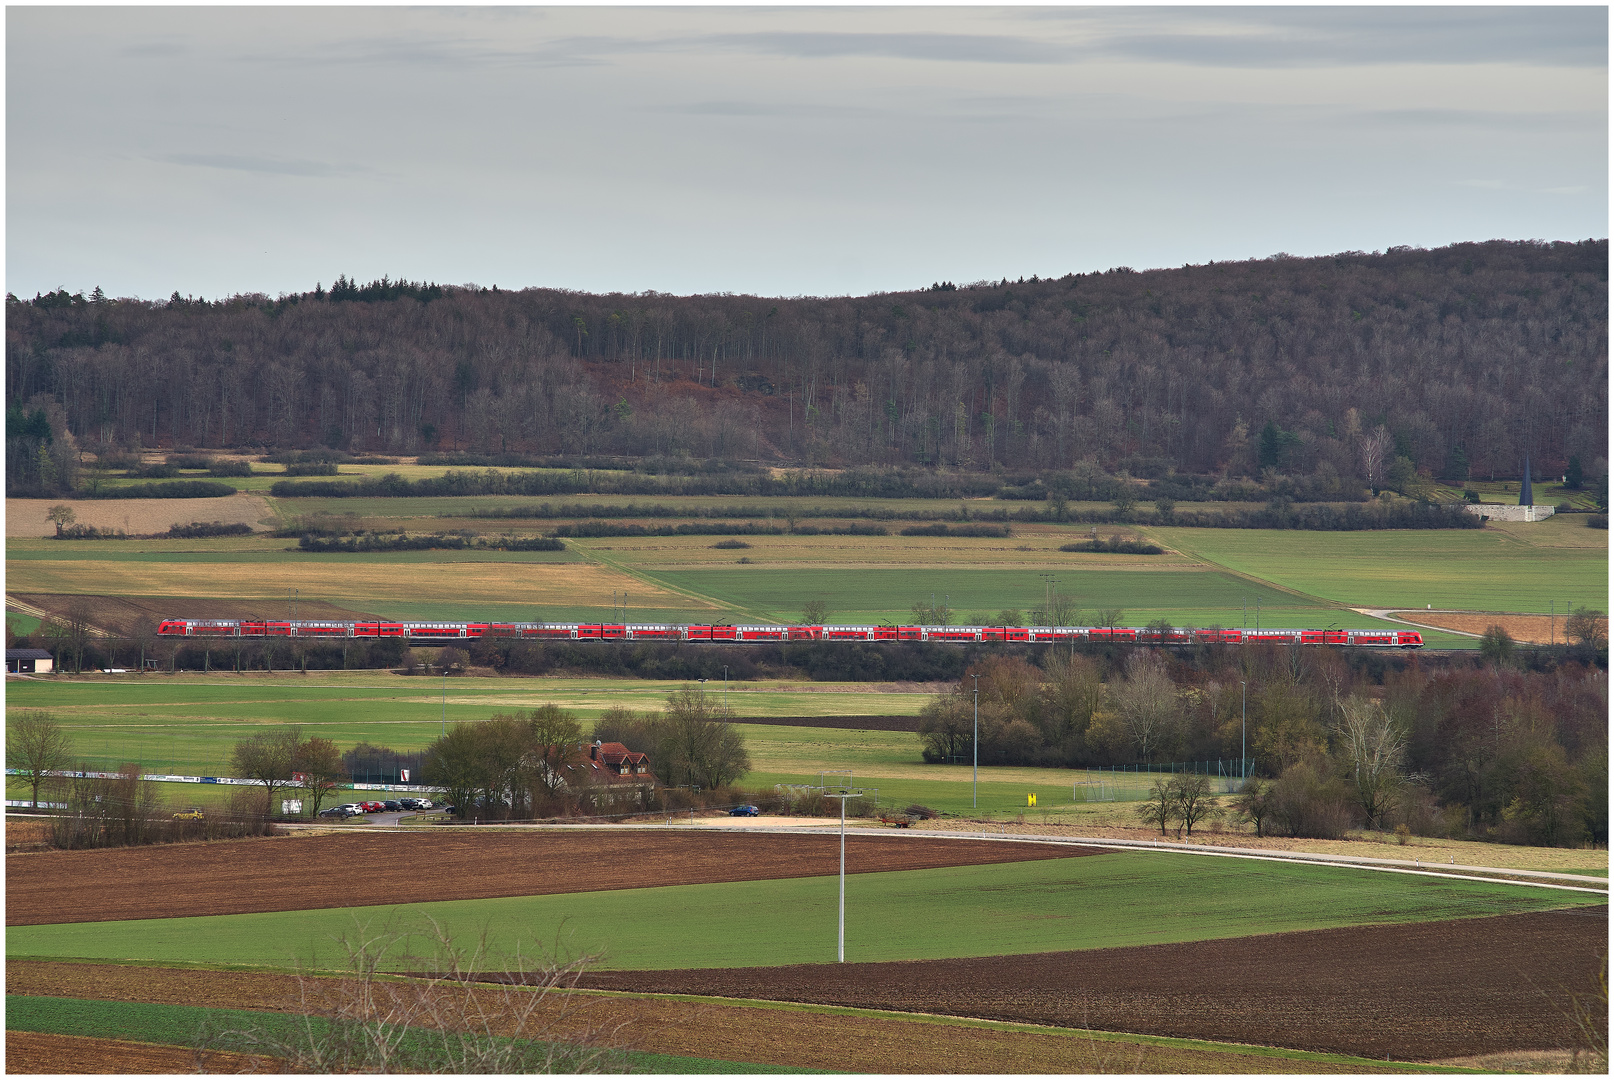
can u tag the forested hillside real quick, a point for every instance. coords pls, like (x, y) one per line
(1460, 359)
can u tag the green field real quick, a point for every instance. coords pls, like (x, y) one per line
(21, 624)
(1212, 576)
(187, 724)
(1198, 598)
(1098, 901)
(1516, 567)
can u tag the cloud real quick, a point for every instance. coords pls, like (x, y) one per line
(948, 48)
(269, 166)
(780, 110)
(1293, 37)
(157, 50)
(1493, 120)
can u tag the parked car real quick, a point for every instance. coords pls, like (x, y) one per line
(353, 807)
(423, 804)
(190, 813)
(373, 807)
(744, 811)
(336, 812)
(393, 804)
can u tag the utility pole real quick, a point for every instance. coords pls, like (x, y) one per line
(445, 701)
(975, 746)
(1244, 707)
(840, 939)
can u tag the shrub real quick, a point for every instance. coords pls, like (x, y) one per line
(1115, 544)
(731, 545)
(230, 468)
(198, 529)
(87, 532)
(1496, 645)
(462, 1009)
(171, 489)
(311, 468)
(1308, 802)
(939, 529)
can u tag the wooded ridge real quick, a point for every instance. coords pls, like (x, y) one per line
(1459, 360)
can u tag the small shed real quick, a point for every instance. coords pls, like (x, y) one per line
(28, 661)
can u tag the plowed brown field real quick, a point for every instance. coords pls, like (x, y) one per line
(731, 1032)
(273, 874)
(1530, 629)
(36, 1054)
(1418, 991)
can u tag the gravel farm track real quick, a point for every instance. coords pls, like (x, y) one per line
(1429, 991)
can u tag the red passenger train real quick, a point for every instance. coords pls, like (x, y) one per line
(426, 632)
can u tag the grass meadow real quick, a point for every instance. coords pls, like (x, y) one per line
(1096, 901)
(187, 724)
(1519, 567)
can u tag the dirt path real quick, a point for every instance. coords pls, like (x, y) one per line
(1420, 991)
(272, 874)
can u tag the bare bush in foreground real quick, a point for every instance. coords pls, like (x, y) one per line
(418, 1001)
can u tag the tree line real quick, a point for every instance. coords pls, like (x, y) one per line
(536, 763)
(1452, 362)
(1488, 747)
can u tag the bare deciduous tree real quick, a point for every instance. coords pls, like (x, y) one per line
(1195, 802)
(267, 758)
(1161, 807)
(37, 745)
(61, 515)
(318, 765)
(1148, 704)
(1375, 745)
(1376, 450)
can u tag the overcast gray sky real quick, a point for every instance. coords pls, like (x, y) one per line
(779, 151)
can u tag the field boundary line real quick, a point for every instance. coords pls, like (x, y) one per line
(644, 578)
(1323, 601)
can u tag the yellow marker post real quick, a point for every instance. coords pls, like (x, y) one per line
(1031, 799)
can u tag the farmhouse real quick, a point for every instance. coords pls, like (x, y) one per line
(612, 759)
(28, 661)
(612, 777)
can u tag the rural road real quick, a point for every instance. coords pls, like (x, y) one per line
(1388, 615)
(1498, 875)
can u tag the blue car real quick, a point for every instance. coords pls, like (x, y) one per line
(744, 811)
